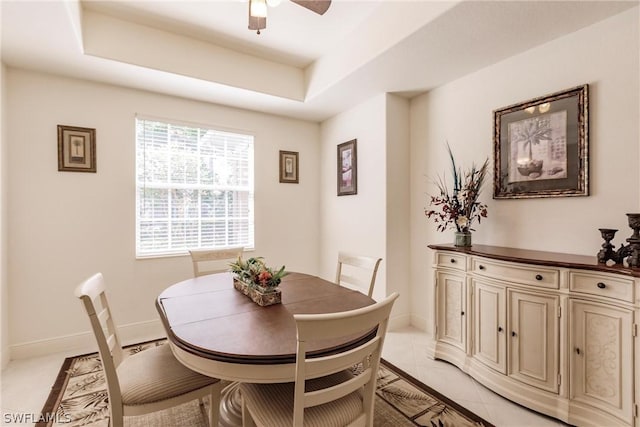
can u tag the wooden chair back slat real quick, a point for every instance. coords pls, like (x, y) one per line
(357, 264)
(208, 261)
(317, 327)
(92, 293)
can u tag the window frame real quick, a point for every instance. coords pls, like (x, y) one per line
(140, 186)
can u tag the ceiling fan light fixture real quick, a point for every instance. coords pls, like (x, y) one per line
(256, 22)
(258, 8)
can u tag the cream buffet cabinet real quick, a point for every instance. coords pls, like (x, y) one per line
(556, 333)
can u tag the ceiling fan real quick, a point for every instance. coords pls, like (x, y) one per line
(258, 10)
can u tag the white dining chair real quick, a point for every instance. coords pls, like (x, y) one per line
(326, 391)
(207, 261)
(145, 382)
(360, 272)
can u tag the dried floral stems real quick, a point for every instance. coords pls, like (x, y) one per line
(460, 207)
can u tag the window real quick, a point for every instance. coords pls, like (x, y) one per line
(194, 188)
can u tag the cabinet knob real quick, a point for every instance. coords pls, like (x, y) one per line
(601, 285)
(481, 267)
(499, 328)
(577, 350)
(538, 276)
(513, 333)
(462, 313)
(453, 261)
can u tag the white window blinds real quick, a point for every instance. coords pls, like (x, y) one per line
(194, 188)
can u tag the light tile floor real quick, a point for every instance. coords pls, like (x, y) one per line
(407, 349)
(26, 383)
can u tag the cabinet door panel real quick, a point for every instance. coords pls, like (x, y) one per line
(534, 338)
(489, 335)
(601, 357)
(451, 294)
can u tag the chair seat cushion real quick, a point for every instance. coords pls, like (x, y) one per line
(154, 375)
(272, 404)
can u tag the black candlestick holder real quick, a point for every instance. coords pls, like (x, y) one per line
(634, 241)
(607, 252)
(630, 252)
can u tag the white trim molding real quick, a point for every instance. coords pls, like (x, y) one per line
(85, 342)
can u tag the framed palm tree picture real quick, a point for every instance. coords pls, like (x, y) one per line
(289, 167)
(76, 149)
(541, 146)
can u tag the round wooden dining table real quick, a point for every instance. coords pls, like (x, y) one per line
(216, 330)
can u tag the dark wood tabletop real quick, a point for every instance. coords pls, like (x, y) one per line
(207, 317)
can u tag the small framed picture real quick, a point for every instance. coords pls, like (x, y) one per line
(289, 167)
(347, 168)
(541, 146)
(76, 149)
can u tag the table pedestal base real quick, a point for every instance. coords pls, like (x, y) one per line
(231, 406)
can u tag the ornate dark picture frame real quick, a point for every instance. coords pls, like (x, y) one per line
(76, 149)
(289, 167)
(541, 146)
(347, 168)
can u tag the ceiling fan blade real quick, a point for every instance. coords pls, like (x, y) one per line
(317, 6)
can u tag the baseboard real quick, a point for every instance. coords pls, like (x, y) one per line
(420, 323)
(85, 342)
(397, 322)
(4, 358)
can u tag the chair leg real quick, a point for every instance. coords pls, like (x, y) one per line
(214, 404)
(116, 418)
(247, 419)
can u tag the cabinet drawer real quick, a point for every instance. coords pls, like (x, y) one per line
(451, 260)
(516, 273)
(602, 285)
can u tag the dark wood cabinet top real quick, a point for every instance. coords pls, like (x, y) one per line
(553, 259)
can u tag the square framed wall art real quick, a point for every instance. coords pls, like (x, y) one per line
(541, 146)
(76, 149)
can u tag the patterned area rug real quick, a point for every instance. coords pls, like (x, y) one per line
(79, 398)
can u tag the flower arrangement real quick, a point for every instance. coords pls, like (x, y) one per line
(255, 273)
(460, 207)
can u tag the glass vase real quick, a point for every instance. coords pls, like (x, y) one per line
(462, 238)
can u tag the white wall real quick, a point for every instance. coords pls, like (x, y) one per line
(65, 226)
(606, 56)
(4, 286)
(355, 223)
(375, 221)
(397, 206)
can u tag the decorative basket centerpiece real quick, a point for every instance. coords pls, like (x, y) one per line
(257, 281)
